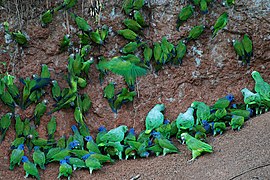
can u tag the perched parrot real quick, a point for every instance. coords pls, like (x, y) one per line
(129, 48)
(181, 50)
(147, 54)
(239, 49)
(46, 18)
(223, 102)
(115, 135)
(196, 146)
(165, 129)
(56, 91)
(157, 149)
(40, 111)
(45, 73)
(104, 32)
(16, 156)
(81, 23)
(131, 136)
(203, 7)
(154, 118)
(241, 112)
(91, 145)
(185, 120)
(101, 158)
(15, 144)
(132, 25)
(165, 144)
(128, 34)
(218, 127)
(65, 169)
(250, 97)
(261, 87)
(77, 136)
(185, 13)
(140, 18)
(109, 91)
(237, 122)
(138, 4)
(202, 111)
(220, 23)
(65, 43)
(58, 156)
(247, 43)
(84, 130)
(113, 149)
(29, 168)
(96, 38)
(101, 132)
(195, 32)
(91, 163)
(75, 162)
(127, 6)
(21, 38)
(39, 157)
(51, 128)
(5, 122)
(230, 2)
(8, 100)
(157, 52)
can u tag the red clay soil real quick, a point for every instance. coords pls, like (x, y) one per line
(243, 154)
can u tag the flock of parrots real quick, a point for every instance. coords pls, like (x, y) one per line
(81, 150)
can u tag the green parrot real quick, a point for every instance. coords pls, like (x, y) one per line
(134, 59)
(202, 111)
(220, 113)
(157, 52)
(220, 23)
(17, 141)
(85, 50)
(113, 149)
(86, 66)
(101, 66)
(115, 135)
(46, 18)
(165, 144)
(223, 102)
(230, 2)
(196, 146)
(200, 132)
(237, 122)
(70, 98)
(14, 92)
(81, 23)
(91, 163)
(5, 122)
(101, 132)
(261, 87)
(96, 38)
(86, 103)
(16, 156)
(64, 169)
(129, 70)
(123, 97)
(8, 100)
(67, 4)
(195, 32)
(241, 112)
(91, 145)
(128, 34)
(61, 143)
(127, 6)
(218, 127)
(203, 6)
(65, 43)
(147, 54)
(185, 120)
(20, 38)
(132, 25)
(129, 48)
(165, 129)
(196, 2)
(154, 118)
(185, 13)
(57, 156)
(109, 91)
(39, 157)
(247, 44)
(157, 149)
(75, 162)
(250, 97)
(130, 152)
(104, 32)
(77, 136)
(84, 130)
(40, 111)
(239, 49)
(130, 136)
(82, 82)
(174, 128)
(51, 128)
(138, 4)
(56, 91)
(45, 73)
(139, 18)
(30, 168)
(51, 152)
(181, 50)
(101, 158)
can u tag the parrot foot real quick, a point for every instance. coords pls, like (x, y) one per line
(190, 161)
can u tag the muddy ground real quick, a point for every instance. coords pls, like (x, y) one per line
(209, 71)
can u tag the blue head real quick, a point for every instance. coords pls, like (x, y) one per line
(73, 144)
(150, 143)
(212, 111)
(88, 138)
(74, 128)
(230, 97)
(166, 121)
(21, 147)
(63, 161)
(206, 125)
(250, 112)
(234, 106)
(132, 131)
(67, 159)
(145, 154)
(156, 134)
(86, 156)
(25, 159)
(102, 129)
(36, 148)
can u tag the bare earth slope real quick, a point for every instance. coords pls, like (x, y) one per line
(235, 153)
